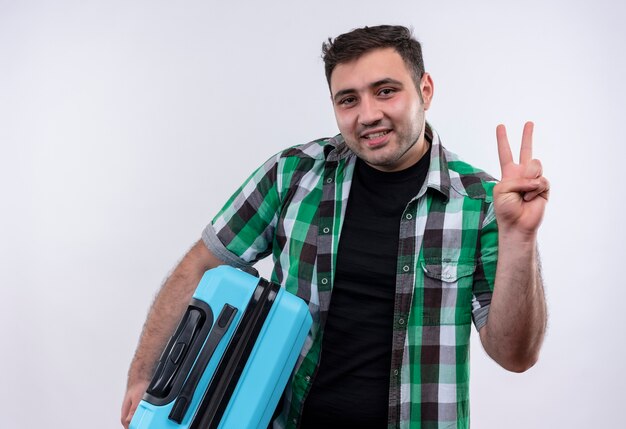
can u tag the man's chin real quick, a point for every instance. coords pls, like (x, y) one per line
(381, 163)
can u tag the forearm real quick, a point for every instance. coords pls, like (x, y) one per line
(166, 311)
(517, 315)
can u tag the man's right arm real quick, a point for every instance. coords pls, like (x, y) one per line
(167, 309)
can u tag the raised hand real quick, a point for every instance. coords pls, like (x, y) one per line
(521, 196)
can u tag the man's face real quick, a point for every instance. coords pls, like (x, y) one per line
(379, 110)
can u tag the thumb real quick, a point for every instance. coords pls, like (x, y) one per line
(131, 401)
(127, 416)
(519, 186)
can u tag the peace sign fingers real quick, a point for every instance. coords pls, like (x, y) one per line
(521, 195)
(504, 148)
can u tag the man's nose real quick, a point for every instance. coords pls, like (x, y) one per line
(370, 112)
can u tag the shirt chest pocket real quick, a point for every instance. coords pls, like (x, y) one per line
(447, 291)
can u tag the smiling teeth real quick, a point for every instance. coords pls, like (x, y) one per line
(376, 135)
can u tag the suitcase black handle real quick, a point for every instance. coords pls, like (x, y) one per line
(175, 352)
(183, 401)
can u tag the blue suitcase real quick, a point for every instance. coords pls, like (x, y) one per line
(228, 362)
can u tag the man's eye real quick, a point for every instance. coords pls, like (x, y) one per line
(347, 101)
(386, 91)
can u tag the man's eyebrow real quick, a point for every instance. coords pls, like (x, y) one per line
(385, 81)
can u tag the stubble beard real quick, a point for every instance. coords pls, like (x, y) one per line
(405, 142)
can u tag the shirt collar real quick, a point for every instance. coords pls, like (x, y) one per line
(336, 149)
(438, 174)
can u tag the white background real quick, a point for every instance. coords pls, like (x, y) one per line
(125, 125)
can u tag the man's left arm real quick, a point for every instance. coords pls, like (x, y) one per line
(517, 317)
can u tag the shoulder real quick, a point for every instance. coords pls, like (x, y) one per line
(295, 157)
(300, 165)
(467, 179)
(315, 149)
(311, 156)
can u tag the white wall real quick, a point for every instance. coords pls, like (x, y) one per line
(124, 126)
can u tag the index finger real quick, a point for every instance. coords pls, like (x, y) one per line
(526, 150)
(504, 149)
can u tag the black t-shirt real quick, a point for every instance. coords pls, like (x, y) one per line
(351, 387)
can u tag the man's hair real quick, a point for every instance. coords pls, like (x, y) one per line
(350, 46)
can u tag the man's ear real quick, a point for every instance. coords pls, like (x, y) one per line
(427, 89)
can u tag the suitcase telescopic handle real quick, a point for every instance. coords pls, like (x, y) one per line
(218, 331)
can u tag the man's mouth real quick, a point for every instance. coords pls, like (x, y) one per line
(376, 135)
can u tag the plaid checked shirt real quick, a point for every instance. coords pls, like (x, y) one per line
(293, 206)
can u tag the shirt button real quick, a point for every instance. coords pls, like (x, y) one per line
(409, 216)
(406, 268)
(295, 421)
(324, 281)
(307, 378)
(447, 276)
(326, 230)
(401, 321)
(395, 372)
(329, 180)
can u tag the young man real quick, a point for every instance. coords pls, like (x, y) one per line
(396, 245)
